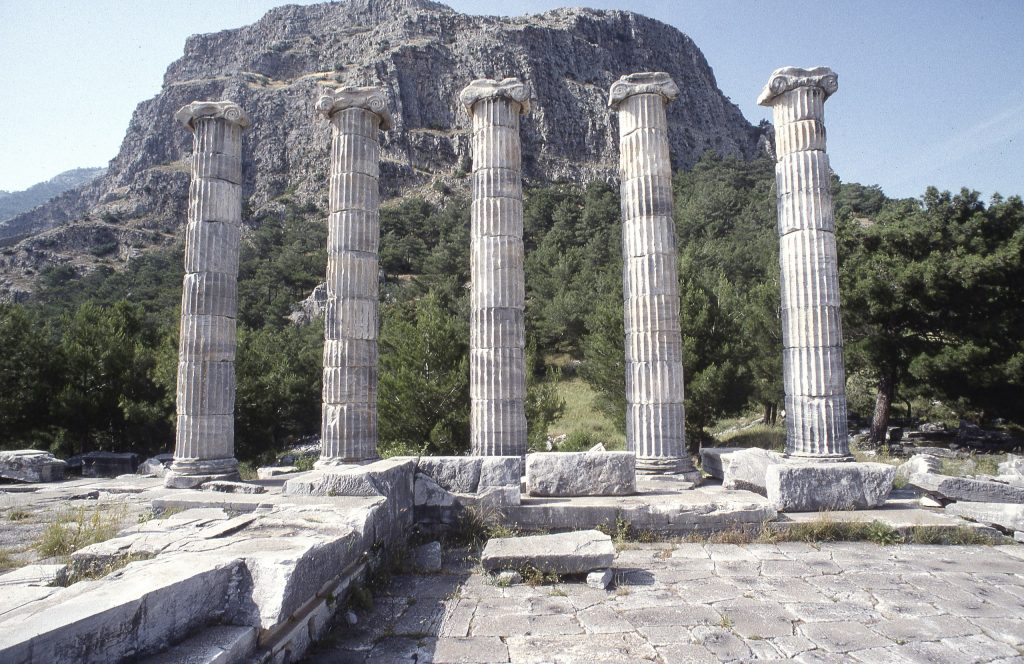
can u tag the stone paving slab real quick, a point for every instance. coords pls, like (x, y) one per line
(691, 602)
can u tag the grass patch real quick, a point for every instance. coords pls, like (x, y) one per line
(247, 470)
(759, 435)
(975, 464)
(7, 560)
(77, 529)
(581, 415)
(19, 515)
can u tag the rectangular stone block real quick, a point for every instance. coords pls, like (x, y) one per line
(497, 216)
(802, 171)
(350, 385)
(813, 371)
(353, 230)
(497, 183)
(747, 469)
(206, 388)
(350, 353)
(1007, 516)
(217, 136)
(352, 275)
(455, 474)
(210, 293)
(205, 436)
(31, 466)
(967, 489)
(218, 166)
(654, 346)
(806, 211)
(581, 474)
(713, 460)
(800, 135)
(390, 478)
(356, 121)
(644, 151)
(816, 425)
(495, 111)
(497, 328)
(651, 313)
(355, 153)
(648, 235)
(207, 338)
(354, 422)
(651, 274)
(498, 289)
(214, 200)
(646, 197)
(347, 318)
(812, 487)
(811, 326)
(353, 191)
(496, 146)
(212, 246)
(564, 553)
(497, 373)
(654, 382)
(501, 471)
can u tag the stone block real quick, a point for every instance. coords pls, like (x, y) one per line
(500, 472)
(919, 463)
(452, 473)
(713, 460)
(747, 469)
(601, 578)
(427, 558)
(1014, 465)
(811, 487)
(109, 464)
(374, 479)
(269, 472)
(1006, 516)
(224, 486)
(31, 466)
(221, 644)
(563, 553)
(581, 474)
(967, 489)
(428, 493)
(489, 498)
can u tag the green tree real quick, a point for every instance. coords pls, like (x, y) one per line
(28, 376)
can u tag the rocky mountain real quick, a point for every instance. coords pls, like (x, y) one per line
(423, 53)
(13, 203)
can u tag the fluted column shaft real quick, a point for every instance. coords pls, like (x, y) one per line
(497, 368)
(655, 418)
(349, 416)
(812, 338)
(204, 446)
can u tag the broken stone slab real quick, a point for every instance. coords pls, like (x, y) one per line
(427, 557)
(495, 497)
(109, 464)
(233, 487)
(712, 460)
(563, 553)
(31, 466)
(270, 472)
(811, 487)
(372, 479)
(214, 645)
(601, 579)
(581, 474)
(746, 469)
(1014, 465)
(427, 493)
(919, 463)
(153, 466)
(966, 489)
(467, 474)
(34, 575)
(1007, 516)
(930, 501)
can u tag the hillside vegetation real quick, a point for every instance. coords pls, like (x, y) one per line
(933, 318)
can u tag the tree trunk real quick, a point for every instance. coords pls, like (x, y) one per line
(883, 405)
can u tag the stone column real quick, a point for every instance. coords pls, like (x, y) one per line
(655, 421)
(205, 444)
(497, 369)
(812, 337)
(349, 418)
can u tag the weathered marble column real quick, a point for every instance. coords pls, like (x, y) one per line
(497, 369)
(812, 337)
(349, 418)
(655, 420)
(205, 444)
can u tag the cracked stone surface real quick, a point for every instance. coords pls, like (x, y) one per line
(687, 602)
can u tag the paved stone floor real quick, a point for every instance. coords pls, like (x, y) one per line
(844, 602)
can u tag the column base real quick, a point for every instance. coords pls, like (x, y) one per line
(191, 473)
(338, 463)
(675, 466)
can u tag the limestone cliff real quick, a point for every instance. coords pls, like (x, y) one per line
(423, 53)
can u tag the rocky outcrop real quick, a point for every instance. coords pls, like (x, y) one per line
(422, 53)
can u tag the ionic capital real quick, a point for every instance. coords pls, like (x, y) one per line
(197, 110)
(785, 79)
(487, 88)
(370, 98)
(649, 82)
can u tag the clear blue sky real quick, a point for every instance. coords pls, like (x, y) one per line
(929, 92)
